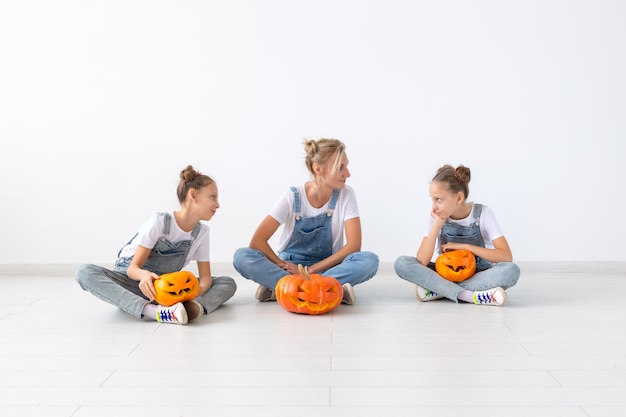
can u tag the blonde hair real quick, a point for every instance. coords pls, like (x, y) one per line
(191, 179)
(321, 151)
(456, 179)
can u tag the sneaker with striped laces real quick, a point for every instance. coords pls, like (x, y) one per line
(494, 297)
(174, 314)
(424, 295)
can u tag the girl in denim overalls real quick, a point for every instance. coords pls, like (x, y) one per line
(458, 224)
(315, 216)
(166, 243)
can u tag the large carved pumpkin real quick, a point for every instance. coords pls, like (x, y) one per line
(306, 293)
(176, 287)
(456, 265)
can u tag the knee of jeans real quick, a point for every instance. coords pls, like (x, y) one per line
(370, 262)
(511, 272)
(230, 284)
(514, 273)
(402, 262)
(84, 275)
(241, 257)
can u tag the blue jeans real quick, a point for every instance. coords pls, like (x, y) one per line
(502, 274)
(356, 268)
(123, 292)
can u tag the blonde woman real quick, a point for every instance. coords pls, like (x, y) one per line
(321, 229)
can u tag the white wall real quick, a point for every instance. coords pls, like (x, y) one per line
(102, 103)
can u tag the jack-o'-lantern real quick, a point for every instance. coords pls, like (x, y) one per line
(306, 293)
(176, 287)
(456, 265)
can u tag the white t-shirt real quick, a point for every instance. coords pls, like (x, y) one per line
(284, 213)
(150, 232)
(489, 227)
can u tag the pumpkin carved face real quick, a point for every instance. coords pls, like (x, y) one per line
(456, 265)
(306, 293)
(176, 287)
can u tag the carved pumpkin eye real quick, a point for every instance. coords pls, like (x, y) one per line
(176, 287)
(306, 293)
(457, 265)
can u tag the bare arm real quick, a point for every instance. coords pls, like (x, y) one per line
(146, 278)
(500, 253)
(427, 247)
(261, 237)
(204, 277)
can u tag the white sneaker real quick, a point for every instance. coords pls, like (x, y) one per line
(494, 296)
(175, 314)
(264, 294)
(424, 295)
(194, 310)
(349, 297)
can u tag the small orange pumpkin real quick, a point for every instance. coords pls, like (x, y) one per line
(306, 293)
(456, 265)
(176, 287)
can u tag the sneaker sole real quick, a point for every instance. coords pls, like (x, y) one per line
(349, 297)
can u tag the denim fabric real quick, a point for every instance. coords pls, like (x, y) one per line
(452, 232)
(488, 275)
(116, 288)
(310, 243)
(165, 256)
(501, 274)
(356, 268)
(312, 239)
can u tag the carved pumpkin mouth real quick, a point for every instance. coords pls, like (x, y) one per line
(457, 265)
(308, 293)
(323, 299)
(457, 268)
(176, 287)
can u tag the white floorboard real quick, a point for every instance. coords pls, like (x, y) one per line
(558, 348)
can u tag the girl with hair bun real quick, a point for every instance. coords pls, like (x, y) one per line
(454, 223)
(316, 216)
(165, 243)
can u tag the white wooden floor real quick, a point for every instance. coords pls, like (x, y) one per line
(557, 349)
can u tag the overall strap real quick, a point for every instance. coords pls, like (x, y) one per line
(196, 230)
(333, 202)
(167, 226)
(478, 209)
(166, 229)
(296, 202)
(167, 223)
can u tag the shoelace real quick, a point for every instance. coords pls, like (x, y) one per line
(166, 315)
(484, 297)
(430, 294)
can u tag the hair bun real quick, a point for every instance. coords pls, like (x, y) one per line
(189, 174)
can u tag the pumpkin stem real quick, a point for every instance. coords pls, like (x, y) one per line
(303, 272)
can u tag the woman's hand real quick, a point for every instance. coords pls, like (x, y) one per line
(290, 267)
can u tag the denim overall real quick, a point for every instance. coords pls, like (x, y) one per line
(310, 242)
(488, 275)
(451, 232)
(166, 256)
(312, 239)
